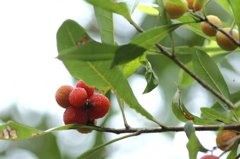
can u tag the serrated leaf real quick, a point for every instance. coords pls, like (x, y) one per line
(236, 7)
(14, 131)
(193, 144)
(119, 8)
(91, 151)
(97, 73)
(207, 70)
(141, 43)
(182, 114)
(213, 114)
(150, 9)
(151, 78)
(105, 24)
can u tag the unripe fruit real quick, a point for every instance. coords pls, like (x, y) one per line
(196, 7)
(224, 42)
(78, 97)
(208, 29)
(223, 137)
(62, 95)
(90, 122)
(98, 106)
(209, 157)
(89, 90)
(175, 11)
(74, 115)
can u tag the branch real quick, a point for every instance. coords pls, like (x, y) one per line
(166, 129)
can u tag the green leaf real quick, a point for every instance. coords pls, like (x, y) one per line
(91, 151)
(132, 4)
(182, 114)
(233, 153)
(213, 114)
(186, 79)
(207, 70)
(150, 9)
(105, 24)
(14, 131)
(151, 78)
(141, 43)
(162, 13)
(193, 144)
(225, 4)
(236, 7)
(91, 51)
(97, 73)
(131, 67)
(119, 8)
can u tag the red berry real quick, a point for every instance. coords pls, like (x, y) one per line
(89, 90)
(75, 115)
(78, 97)
(62, 95)
(98, 106)
(209, 157)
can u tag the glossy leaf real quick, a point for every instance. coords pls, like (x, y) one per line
(91, 151)
(207, 70)
(151, 78)
(96, 73)
(182, 114)
(213, 114)
(236, 7)
(119, 8)
(148, 9)
(105, 24)
(141, 43)
(193, 144)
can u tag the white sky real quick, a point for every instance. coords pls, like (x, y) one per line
(30, 74)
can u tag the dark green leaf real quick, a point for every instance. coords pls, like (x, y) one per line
(141, 43)
(119, 8)
(236, 7)
(151, 78)
(182, 114)
(207, 70)
(213, 114)
(96, 73)
(93, 150)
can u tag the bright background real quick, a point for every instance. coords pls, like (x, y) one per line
(31, 74)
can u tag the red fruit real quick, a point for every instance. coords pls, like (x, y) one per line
(209, 157)
(75, 115)
(89, 90)
(62, 95)
(78, 97)
(98, 106)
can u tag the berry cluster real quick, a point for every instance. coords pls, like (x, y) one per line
(175, 11)
(83, 106)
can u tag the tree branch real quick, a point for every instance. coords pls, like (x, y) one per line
(166, 129)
